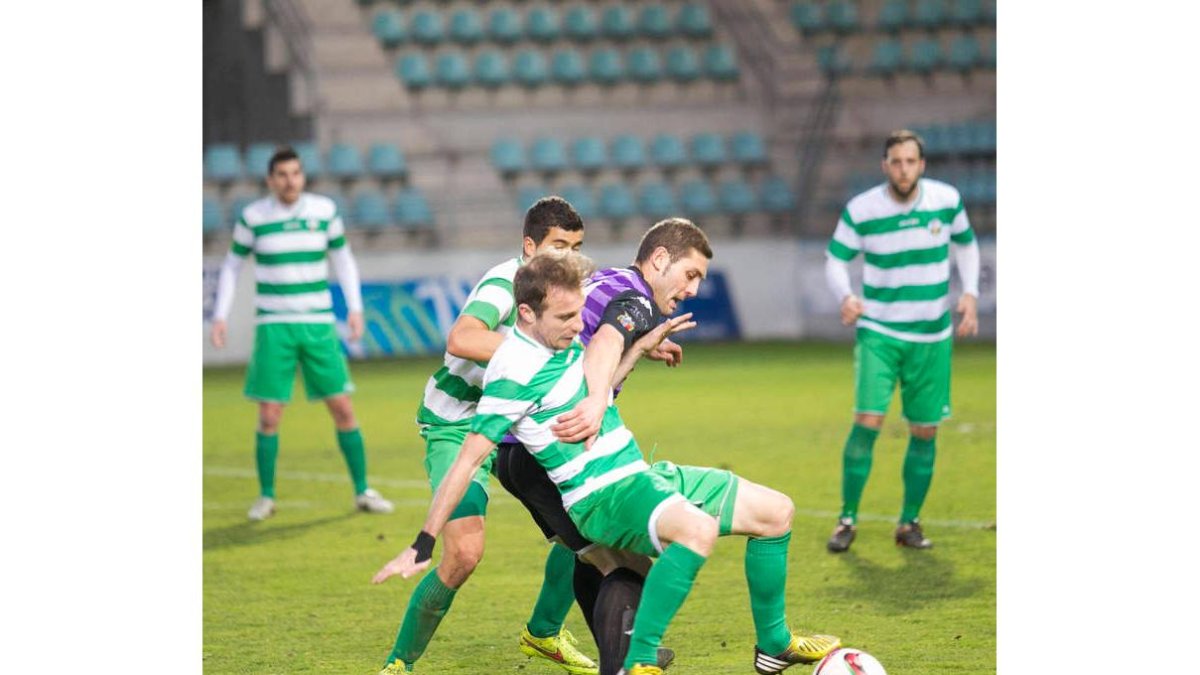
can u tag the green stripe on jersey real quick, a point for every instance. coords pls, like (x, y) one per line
(485, 312)
(551, 413)
(965, 237)
(337, 242)
(926, 327)
(906, 221)
(921, 256)
(558, 453)
(288, 258)
(906, 293)
(291, 289)
(841, 251)
(456, 387)
(290, 225)
(601, 466)
(265, 312)
(238, 249)
(492, 426)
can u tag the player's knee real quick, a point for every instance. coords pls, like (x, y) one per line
(342, 412)
(923, 432)
(869, 420)
(699, 533)
(781, 509)
(268, 418)
(460, 561)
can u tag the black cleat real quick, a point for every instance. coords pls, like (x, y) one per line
(843, 536)
(911, 536)
(666, 657)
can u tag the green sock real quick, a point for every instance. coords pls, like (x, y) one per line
(667, 586)
(429, 603)
(918, 473)
(351, 445)
(558, 593)
(856, 466)
(266, 449)
(766, 574)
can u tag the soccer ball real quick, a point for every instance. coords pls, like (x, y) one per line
(849, 662)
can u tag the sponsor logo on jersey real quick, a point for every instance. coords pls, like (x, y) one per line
(644, 301)
(625, 321)
(909, 222)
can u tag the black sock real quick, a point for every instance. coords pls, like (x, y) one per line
(587, 588)
(616, 603)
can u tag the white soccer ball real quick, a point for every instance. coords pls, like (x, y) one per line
(849, 662)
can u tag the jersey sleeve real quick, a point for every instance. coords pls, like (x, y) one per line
(503, 404)
(491, 302)
(336, 231)
(632, 314)
(243, 239)
(846, 242)
(960, 227)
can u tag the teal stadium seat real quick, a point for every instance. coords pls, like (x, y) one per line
(925, 56)
(616, 23)
(426, 28)
(508, 156)
(452, 70)
(832, 61)
(529, 68)
(588, 154)
(708, 150)
(656, 200)
(628, 153)
(967, 13)
(807, 17)
(345, 162)
(413, 70)
(528, 196)
(930, 14)
(388, 28)
(386, 161)
(581, 198)
(579, 24)
(548, 155)
(504, 26)
(697, 199)
(983, 137)
(694, 21)
(936, 140)
(616, 201)
(965, 54)
(339, 202)
(644, 66)
(222, 163)
(541, 24)
(258, 159)
(465, 26)
(842, 17)
(667, 151)
(654, 22)
(777, 196)
(370, 211)
(989, 59)
(491, 68)
(720, 63)
(747, 147)
(567, 67)
(214, 215)
(412, 212)
(683, 65)
(958, 139)
(604, 66)
(885, 58)
(893, 16)
(736, 197)
(239, 204)
(310, 159)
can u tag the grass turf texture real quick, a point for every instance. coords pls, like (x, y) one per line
(292, 594)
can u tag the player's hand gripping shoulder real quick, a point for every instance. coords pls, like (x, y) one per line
(970, 317)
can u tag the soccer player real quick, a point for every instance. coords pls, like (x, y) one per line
(905, 229)
(290, 233)
(611, 494)
(444, 416)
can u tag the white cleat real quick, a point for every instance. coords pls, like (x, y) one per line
(372, 502)
(263, 508)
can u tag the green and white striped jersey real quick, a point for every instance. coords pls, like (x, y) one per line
(527, 386)
(289, 245)
(452, 392)
(906, 249)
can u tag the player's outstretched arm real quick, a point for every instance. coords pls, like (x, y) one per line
(417, 557)
(650, 342)
(668, 352)
(471, 339)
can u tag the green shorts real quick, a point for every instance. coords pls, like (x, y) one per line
(278, 347)
(922, 368)
(442, 443)
(624, 515)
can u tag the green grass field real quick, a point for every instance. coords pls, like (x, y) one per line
(293, 594)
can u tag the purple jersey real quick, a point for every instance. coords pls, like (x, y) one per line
(600, 290)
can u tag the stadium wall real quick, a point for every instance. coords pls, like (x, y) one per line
(757, 290)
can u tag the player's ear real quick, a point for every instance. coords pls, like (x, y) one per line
(528, 247)
(525, 311)
(661, 258)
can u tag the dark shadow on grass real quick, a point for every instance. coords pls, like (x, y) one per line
(924, 578)
(248, 533)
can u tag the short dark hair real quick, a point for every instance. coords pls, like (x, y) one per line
(903, 136)
(549, 212)
(549, 269)
(283, 153)
(678, 236)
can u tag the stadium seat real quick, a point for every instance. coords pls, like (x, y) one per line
(925, 56)
(388, 27)
(465, 26)
(777, 196)
(452, 70)
(644, 65)
(967, 13)
(654, 22)
(581, 198)
(222, 163)
(694, 21)
(588, 154)
(345, 162)
(842, 16)
(832, 61)
(529, 68)
(370, 211)
(508, 156)
(965, 54)
(656, 200)
(567, 67)
(708, 150)
(426, 28)
(893, 16)
(490, 68)
(720, 63)
(958, 139)
(616, 23)
(529, 195)
(616, 201)
(682, 64)
(604, 66)
(807, 17)
(886, 58)
(736, 197)
(936, 141)
(697, 199)
(258, 159)
(628, 153)
(413, 71)
(929, 14)
(310, 158)
(983, 138)
(384, 160)
(504, 25)
(548, 155)
(541, 24)
(579, 24)
(411, 210)
(667, 151)
(747, 147)
(239, 204)
(989, 59)
(214, 216)
(339, 202)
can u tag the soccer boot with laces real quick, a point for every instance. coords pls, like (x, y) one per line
(263, 508)
(843, 536)
(910, 535)
(559, 650)
(803, 649)
(396, 667)
(372, 502)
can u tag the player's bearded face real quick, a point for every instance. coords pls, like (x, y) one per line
(287, 181)
(679, 281)
(903, 166)
(561, 319)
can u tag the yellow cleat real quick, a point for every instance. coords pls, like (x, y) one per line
(803, 649)
(396, 667)
(559, 650)
(642, 670)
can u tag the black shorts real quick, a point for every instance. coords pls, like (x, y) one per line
(526, 480)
